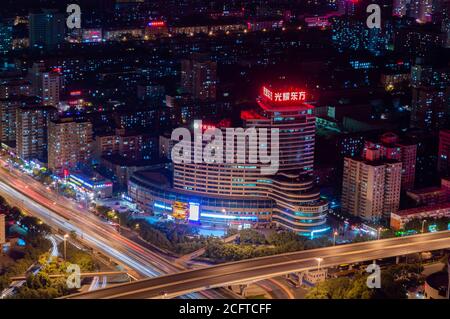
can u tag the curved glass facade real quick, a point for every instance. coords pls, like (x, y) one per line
(239, 191)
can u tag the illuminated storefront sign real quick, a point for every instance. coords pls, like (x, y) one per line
(156, 24)
(77, 181)
(229, 217)
(75, 93)
(284, 96)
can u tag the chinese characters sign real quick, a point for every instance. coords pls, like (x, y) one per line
(284, 96)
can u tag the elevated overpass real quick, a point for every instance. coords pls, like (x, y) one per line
(169, 286)
(82, 275)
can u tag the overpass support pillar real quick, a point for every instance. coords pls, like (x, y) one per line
(243, 290)
(300, 276)
(239, 289)
(397, 260)
(296, 278)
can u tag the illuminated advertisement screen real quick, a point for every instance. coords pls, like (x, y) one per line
(194, 212)
(180, 210)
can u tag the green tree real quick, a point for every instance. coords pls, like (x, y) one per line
(251, 236)
(40, 280)
(102, 210)
(330, 289)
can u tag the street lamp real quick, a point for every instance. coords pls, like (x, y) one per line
(334, 238)
(423, 225)
(65, 246)
(319, 260)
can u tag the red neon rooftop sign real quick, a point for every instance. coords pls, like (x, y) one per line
(156, 24)
(283, 96)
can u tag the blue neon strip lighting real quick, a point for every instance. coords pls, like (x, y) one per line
(162, 206)
(319, 231)
(218, 216)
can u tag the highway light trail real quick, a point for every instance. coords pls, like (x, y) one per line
(61, 223)
(66, 216)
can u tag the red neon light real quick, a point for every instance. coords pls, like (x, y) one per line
(284, 96)
(75, 93)
(156, 24)
(207, 127)
(57, 70)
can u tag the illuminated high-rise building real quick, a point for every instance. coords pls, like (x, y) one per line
(15, 87)
(69, 143)
(239, 192)
(35, 77)
(8, 110)
(371, 186)
(392, 148)
(199, 77)
(31, 131)
(430, 109)
(6, 38)
(51, 87)
(46, 83)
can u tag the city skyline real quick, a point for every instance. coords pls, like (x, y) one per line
(225, 149)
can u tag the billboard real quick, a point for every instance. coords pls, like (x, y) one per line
(194, 212)
(180, 210)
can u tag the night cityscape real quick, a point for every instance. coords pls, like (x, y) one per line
(225, 149)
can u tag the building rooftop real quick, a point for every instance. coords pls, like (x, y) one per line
(89, 176)
(378, 162)
(120, 160)
(420, 210)
(269, 107)
(426, 191)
